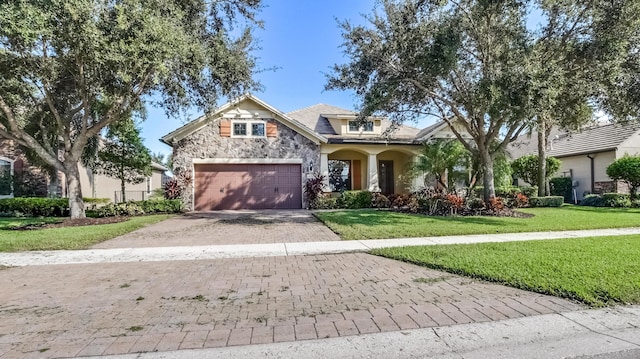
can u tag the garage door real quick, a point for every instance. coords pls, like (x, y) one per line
(247, 186)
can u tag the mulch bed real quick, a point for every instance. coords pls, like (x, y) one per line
(74, 222)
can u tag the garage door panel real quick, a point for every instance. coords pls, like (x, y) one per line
(247, 186)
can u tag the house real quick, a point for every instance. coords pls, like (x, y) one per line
(247, 154)
(585, 155)
(34, 182)
(100, 186)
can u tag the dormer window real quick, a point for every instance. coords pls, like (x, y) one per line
(356, 126)
(248, 128)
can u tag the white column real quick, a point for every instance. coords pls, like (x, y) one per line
(372, 174)
(324, 171)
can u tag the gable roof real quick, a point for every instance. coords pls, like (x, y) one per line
(203, 120)
(590, 140)
(316, 117)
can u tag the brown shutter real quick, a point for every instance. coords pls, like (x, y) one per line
(225, 128)
(356, 174)
(272, 129)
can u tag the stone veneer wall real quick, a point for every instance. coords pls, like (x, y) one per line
(207, 143)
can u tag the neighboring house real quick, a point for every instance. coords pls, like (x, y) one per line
(101, 186)
(14, 163)
(585, 155)
(247, 154)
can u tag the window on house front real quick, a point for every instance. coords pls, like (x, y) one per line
(240, 129)
(339, 175)
(249, 129)
(257, 129)
(6, 178)
(356, 126)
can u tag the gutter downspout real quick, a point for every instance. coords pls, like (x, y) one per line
(593, 181)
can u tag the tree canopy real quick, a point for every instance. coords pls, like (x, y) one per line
(123, 156)
(478, 64)
(526, 167)
(626, 169)
(68, 69)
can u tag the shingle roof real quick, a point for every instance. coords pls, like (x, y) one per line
(589, 140)
(312, 117)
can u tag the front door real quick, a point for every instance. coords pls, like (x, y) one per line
(385, 176)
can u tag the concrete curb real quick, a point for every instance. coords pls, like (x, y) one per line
(573, 334)
(151, 254)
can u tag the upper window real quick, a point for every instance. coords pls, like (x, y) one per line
(355, 126)
(249, 129)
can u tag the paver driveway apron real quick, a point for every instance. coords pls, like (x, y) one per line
(117, 308)
(227, 227)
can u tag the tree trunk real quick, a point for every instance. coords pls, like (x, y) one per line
(487, 165)
(543, 187)
(122, 184)
(76, 205)
(54, 183)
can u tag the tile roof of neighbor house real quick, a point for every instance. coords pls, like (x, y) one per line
(590, 140)
(313, 118)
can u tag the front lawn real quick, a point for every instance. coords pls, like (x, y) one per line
(65, 237)
(597, 271)
(373, 224)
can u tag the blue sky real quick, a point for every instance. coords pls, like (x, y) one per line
(303, 40)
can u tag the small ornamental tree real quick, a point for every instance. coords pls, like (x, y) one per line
(124, 156)
(626, 169)
(526, 167)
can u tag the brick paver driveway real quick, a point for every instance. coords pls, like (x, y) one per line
(99, 309)
(227, 227)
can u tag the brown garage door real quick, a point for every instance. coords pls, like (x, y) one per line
(247, 186)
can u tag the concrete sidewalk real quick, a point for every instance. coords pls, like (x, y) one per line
(151, 254)
(600, 333)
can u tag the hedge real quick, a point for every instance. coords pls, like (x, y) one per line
(141, 207)
(548, 201)
(34, 207)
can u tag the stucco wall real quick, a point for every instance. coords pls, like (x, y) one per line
(580, 167)
(206, 143)
(102, 186)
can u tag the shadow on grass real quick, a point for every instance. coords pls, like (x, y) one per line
(371, 217)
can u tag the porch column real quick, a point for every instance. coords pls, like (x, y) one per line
(324, 171)
(372, 174)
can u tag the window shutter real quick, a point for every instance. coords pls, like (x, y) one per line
(272, 129)
(225, 128)
(356, 174)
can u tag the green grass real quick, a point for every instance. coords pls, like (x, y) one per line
(372, 224)
(65, 237)
(598, 271)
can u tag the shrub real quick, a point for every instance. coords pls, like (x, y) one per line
(313, 187)
(93, 203)
(120, 209)
(548, 201)
(161, 206)
(355, 199)
(592, 200)
(324, 202)
(521, 200)
(496, 204)
(476, 204)
(616, 200)
(562, 186)
(399, 200)
(635, 203)
(526, 167)
(380, 201)
(172, 189)
(35, 207)
(626, 169)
